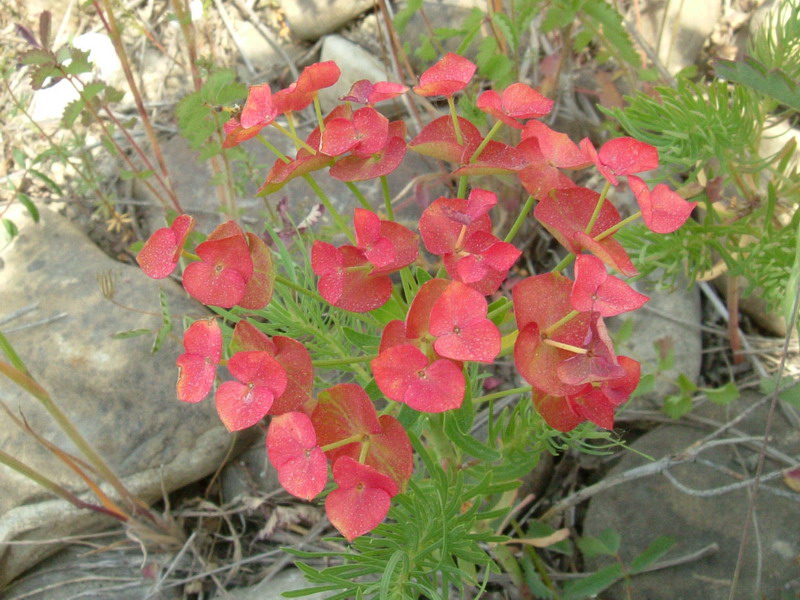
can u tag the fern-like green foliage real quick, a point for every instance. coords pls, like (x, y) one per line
(708, 134)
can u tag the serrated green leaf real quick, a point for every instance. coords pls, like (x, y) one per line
(127, 175)
(26, 201)
(20, 158)
(607, 23)
(112, 95)
(504, 23)
(723, 395)
(677, 405)
(10, 227)
(592, 584)
(41, 73)
(403, 16)
(770, 82)
(51, 185)
(79, 62)
(37, 56)
(686, 385)
(131, 333)
(647, 384)
(166, 322)
(658, 548)
(209, 149)
(93, 89)
(71, 112)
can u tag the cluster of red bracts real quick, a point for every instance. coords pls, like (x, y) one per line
(562, 348)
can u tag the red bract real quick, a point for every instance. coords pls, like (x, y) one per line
(458, 321)
(518, 101)
(301, 93)
(404, 374)
(366, 92)
(161, 252)
(220, 277)
(341, 412)
(495, 159)
(197, 366)
(258, 289)
(483, 263)
(293, 451)
(621, 156)
(596, 290)
(566, 216)
(383, 162)
(260, 379)
(362, 499)
(258, 112)
(290, 354)
(663, 210)
(538, 176)
(556, 147)
(448, 222)
(365, 134)
(345, 278)
(539, 302)
(450, 75)
(438, 139)
(599, 363)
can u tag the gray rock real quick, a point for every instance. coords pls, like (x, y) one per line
(355, 64)
(678, 30)
(642, 510)
(669, 317)
(77, 572)
(120, 396)
(285, 581)
(311, 19)
(251, 474)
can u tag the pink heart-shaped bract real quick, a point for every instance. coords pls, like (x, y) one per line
(566, 214)
(449, 75)
(663, 210)
(197, 367)
(364, 91)
(404, 374)
(220, 277)
(484, 262)
(556, 411)
(346, 279)
(438, 139)
(621, 156)
(260, 379)
(343, 411)
(362, 500)
(290, 354)
(619, 389)
(599, 363)
(301, 93)
(459, 324)
(538, 176)
(556, 147)
(448, 222)
(161, 252)
(596, 290)
(293, 451)
(518, 101)
(383, 162)
(365, 134)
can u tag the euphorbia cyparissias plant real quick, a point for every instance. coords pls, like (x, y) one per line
(561, 346)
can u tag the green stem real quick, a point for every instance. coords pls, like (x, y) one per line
(462, 187)
(293, 136)
(337, 218)
(353, 439)
(318, 112)
(387, 197)
(526, 208)
(562, 321)
(359, 196)
(502, 394)
(274, 149)
(12, 355)
(597, 208)
(298, 288)
(347, 360)
(495, 128)
(614, 228)
(565, 262)
(456, 125)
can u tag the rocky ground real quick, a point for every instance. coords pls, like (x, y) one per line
(67, 286)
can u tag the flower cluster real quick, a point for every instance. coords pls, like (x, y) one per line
(560, 345)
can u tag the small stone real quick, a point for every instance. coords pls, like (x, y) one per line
(119, 395)
(289, 580)
(644, 509)
(311, 19)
